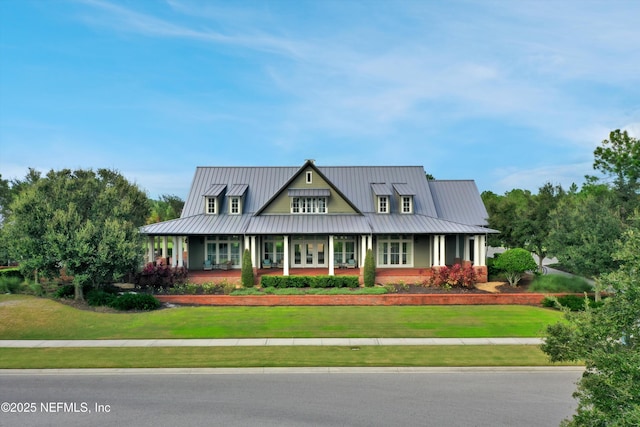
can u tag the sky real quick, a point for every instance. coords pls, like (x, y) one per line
(511, 94)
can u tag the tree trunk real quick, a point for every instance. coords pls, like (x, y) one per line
(78, 292)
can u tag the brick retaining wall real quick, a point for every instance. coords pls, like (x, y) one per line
(386, 299)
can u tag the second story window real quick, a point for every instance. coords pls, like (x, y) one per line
(309, 177)
(383, 204)
(234, 206)
(308, 205)
(407, 204)
(211, 205)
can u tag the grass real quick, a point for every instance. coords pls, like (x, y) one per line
(26, 317)
(555, 283)
(244, 357)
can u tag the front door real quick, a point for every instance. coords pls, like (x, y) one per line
(309, 253)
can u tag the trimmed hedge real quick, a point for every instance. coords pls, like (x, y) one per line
(309, 282)
(572, 302)
(135, 302)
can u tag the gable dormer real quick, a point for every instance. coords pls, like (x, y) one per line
(382, 198)
(308, 191)
(405, 198)
(213, 199)
(235, 198)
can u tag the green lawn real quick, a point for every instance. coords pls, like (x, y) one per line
(24, 317)
(303, 356)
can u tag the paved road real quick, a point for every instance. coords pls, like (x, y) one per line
(360, 397)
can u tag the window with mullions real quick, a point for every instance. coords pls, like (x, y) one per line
(383, 204)
(395, 250)
(234, 206)
(407, 204)
(308, 205)
(211, 205)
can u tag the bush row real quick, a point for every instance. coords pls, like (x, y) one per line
(109, 296)
(454, 276)
(572, 302)
(309, 282)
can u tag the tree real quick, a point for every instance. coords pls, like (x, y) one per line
(607, 339)
(247, 270)
(369, 269)
(506, 214)
(166, 208)
(619, 157)
(584, 228)
(83, 221)
(514, 262)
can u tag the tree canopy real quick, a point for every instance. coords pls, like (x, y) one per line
(83, 221)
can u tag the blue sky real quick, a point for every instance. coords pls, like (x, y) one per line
(512, 94)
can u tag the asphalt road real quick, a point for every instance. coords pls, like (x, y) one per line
(429, 397)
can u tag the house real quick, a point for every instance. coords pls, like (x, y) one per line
(317, 217)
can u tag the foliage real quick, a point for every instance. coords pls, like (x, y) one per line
(607, 338)
(454, 276)
(584, 229)
(309, 281)
(248, 280)
(69, 290)
(160, 276)
(224, 288)
(166, 208)
(571, 302)
(514, 262)
(9, 284)
(131, 301)
(311, 291)
(84, 221)
(98, 297)
(369, 269)
(556, 283)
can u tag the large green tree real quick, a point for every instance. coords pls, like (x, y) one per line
(584, 228)
(607, 339)
(83, 221)
(166, 208)
(506, 214)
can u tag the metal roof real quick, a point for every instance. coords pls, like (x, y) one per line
(309, 192)
(403, 189)
(438, 206)
(237, 190)
(215, 190)
(459, 201)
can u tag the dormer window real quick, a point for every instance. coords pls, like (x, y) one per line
(234, 206)
(383, 204)
(309, 176)
(211, 205)
(407, 204)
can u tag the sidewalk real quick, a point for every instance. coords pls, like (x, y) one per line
(260, 342)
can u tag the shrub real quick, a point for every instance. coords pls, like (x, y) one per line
(309, 282)
(555, 283)
(10, 284)
(68, 291)
(572, 302)
(160, 276)
(369, 269)
(130, 301)
(98, 297)
(248, 280)
(11, 272)
(514, 262)
(456, 276)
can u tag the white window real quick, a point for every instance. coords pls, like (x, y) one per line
(308, 205)
(211, 205)
(309, 177)
(234, 206)
(383, 204)
(395, 251)
(407, 204)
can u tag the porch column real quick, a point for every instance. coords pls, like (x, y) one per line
(151, 247)
(436, 250)
(165, 252)
(180, 251)
(285, 265)
(363, 250)
(331, 264)
(476, 250)
(253, 252)
(483, 250)
(174, 252)
(467, 249)
(443, 252)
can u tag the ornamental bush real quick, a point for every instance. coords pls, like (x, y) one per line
(131, 301)
(248, 280)
(456, 276)
(160, 276)
(309, 282)
(514, 262)
(369, 269)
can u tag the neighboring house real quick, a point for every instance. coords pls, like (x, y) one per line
(325, 217)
